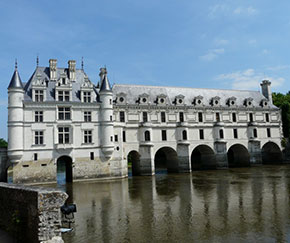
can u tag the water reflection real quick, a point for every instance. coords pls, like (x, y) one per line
(239, 205)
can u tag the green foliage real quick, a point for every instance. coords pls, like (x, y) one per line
(3, 143)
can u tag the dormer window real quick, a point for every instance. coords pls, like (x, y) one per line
(232, 101)
(198, 100)
(63, 95)
(121, 98)
(38, 95)
(143, 99)
(179, 100)
(87, 92)
(87, 97)
(161, 99)
(248, 102)
(264, 103)
(215, 101)
(63, 81)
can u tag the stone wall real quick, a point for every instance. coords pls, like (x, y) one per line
(3, 164)
(31, 214)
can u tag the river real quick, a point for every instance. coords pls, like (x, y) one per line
(235, 205)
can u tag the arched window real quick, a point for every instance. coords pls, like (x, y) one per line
(184, 135)
(221, 134)
(147, 136)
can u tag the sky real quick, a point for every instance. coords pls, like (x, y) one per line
(229, 44)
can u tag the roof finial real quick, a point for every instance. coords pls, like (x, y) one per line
(15, 63)
(82, 63)
(37, 61)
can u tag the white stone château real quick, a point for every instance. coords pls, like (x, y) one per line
(60, 118)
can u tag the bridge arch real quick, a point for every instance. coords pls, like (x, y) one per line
(203, 157)
(271, 153)
(166, 159)
(238, 156)
(133, 159)
(64, 169)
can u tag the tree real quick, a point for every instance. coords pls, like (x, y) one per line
(3, 143)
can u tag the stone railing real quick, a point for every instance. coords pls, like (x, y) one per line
(31, 214)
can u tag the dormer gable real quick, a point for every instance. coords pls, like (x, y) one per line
(198, 100)
(121, 98)
(143, 99)
(248, 102)
(179, 99)
(215, 101)
(264, 103)
(161, 99)
(232, 101)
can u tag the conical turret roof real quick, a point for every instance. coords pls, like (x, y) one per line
(15, 80)
(105, 84)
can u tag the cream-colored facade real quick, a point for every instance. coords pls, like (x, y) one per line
(60, 117)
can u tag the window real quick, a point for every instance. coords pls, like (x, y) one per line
(35, 156)
(63, 81)
(201, 134)
(163, 135)
(267, 117)
(184, 135)
(116, 138)
(111, 138)
(181, 117)
(235, 133)
(87, 97)
(122, 116)
(221, 132)
(63, 95)
(145, 117)
(64, 113)
(38, 116)
(124, 136)
(163, 116)
(251, 117)
(38, 95)
(88, 116)
(111, 118)
(234, 117)
(63, 135)
(268, 132)
(88, 136)
(92, 155)
(255, 134)
(147, 136)
(217, 117)
(200, 116)
(38, 137)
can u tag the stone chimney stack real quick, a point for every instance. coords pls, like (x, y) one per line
(52, 68)
(72, 70)
(266, 90)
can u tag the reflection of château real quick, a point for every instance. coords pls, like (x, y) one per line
(60, 117)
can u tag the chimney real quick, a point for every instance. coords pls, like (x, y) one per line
(266, 90)
(52, 68)
(72, 70)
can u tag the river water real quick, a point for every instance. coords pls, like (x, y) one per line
(236, 205)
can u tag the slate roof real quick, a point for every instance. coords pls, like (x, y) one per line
(133, 92)
(15, 81)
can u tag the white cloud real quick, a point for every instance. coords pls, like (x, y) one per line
(245, 11)
(212, 54)
(223, 9)
(248, 79)
(217, 9)
(221, 42)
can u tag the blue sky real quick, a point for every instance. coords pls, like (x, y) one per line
(210, 44)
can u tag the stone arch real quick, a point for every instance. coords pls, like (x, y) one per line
(271, 153)
(203, 157)
(238, 156)
(133, 159)
(166, 158)
(64, 169)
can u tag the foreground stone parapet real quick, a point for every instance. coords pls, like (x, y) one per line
(31, 214)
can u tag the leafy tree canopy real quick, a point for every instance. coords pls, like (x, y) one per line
(3, 143)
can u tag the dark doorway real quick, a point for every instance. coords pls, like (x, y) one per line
(203, 157)
(166, 160)
(133, 159)
(64, 170)
(238, 156)
(271, 154)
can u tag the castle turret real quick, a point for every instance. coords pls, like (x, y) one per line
(266, 90)
(106, 114)
(15, 118)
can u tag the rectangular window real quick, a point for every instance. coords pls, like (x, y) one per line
(111, 138)
(122, 116)
(88, 136)
(234, 117)
(63, 135)
(124, 136)
(63, 95)
(116, 138)
(201, 134)
(38, 137)
(200, 117)
(163, 116)
(87, 97)
(235, 133)
(267, 117)
(251, 117)
(92, 155)
(181, 117)
(221, 132)
(145, 117)
(87, 116)
(64, 113)
(38, 116)
(217, 117)
(163, 135)
(268, 132)
(255, 133)
(35, 157)
(38, 95)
